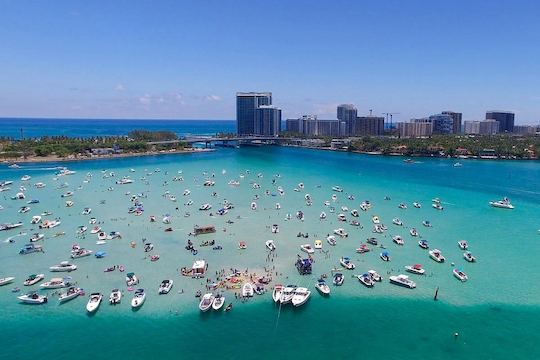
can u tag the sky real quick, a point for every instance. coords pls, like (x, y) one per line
(186, 59)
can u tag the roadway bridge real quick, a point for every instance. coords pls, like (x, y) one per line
(208, 140)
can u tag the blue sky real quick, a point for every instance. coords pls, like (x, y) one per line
(186, 59)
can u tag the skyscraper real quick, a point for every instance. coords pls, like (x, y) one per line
(368, 125)
(442, 123)
(347, 113)
(267, 120)
(246, 104)
(457, 117)
(505, 119)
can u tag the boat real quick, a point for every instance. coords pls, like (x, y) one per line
(413, 232)
(436, 255)
(86, 211)
(322, 287)
(63, 266)
(39, 185)
(115, 297)
(79, 253)
(33, 298)
(337, 188)
(186, 192)
(463, 245)
(124, 181)
(70, 294)
(138, 298)
(427, 223)
(247, 290)
(270, 245)
(375, 219)
(417, 205)
(397, 221)
(362, 249)
(318, 244)
(24, 210)
(218, 302)
(253, 206)
(423, 244)
(35, 219)
(375, 276)
(131, 279)
(205, 207)
(6, 280)
(385, 256)
(340, 232)
(287, 294)
(148, 247)
(33, 279)
(30, 248)
(342, 217)
(355, 213)
(437, 206)
(402, 206)
(503, 204)
(206, 302)
(366, 279)
(398, 240)
(402, 280)
(415, 269)
(36, 237)
(468, 256)
(55, 283)
(93, 302)
(67, 194)
(49, 224)
(307, 248)
(346, 263)
(331, 240)
(165, 286)
(10, 226)
(460, 275)
(275, 228)
(338, 279)
(301, 296)
(26, 178)
(100, 254)
(18, 196)
(242, 245)
(372, 241)
(276, 293)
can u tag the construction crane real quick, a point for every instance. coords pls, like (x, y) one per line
(390, 114)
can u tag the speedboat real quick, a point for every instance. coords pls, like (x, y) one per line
(503, 204)
(397, 221)
(398, 240)
(460, 275)
(253, 206)
(346, 263)
(276, 293)
(70, 294)
(67, 194)
(63, 266)
(138, 298)
(338, 279)
(337, 188)
(323, 288)
(33, 279)
(10, 226)
(322, 216)
(402, 206)
(423, 244)
(318, 244)
(205, 207)
(331, 239)
(186, 192)
(35, 219)
(468, 256)
(340, 232)
(218, 302)
(372, 241)
(247, 290)
(417, 205)
(362, 249)
(437, 206)
(24, 209)
(124, 181)
(427, 223)
(415, 269)
(413, 232)
(79, 253)
(26, 178)
(275, 229)
(287, 294)
(301, 295)
(49, 224)
(463, 245)
(366, 280)
(55, 283)
(115, 297)
(354, 213)
(131, 279)
(307, 248)
(93, 302)
(6, 280)
(206, 302)
(342, 217)
(69, 203)
(436, 255)
(36, 237)
(375, 276)
(270, 245)
(385, 256)
(86, 211)
(30, 248)
(375, 219)
(402, 280)
(165, 286)
(33, 298)
(39, 185)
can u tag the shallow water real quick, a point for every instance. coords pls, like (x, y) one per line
(495, 313)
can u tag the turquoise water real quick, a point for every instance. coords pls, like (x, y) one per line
(496, 312)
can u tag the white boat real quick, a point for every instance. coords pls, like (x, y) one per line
(270, 245)
(436, 255)
(402, 206)
(138, 298)
(413, 232)
(36, 237)
(39, 185)
(423, 244)
(287, 294)
(417, 205)
(69, 203)
(131, 279)
(278, 206)
(35, 219)
(115, 297)
(337, 188)
(402, 280)
(338, 279)
(366, 279)
(427, 223)
(93, 302)
(354, 213)
(247, 290)
(307, 248)
(55, 283)
(398, 240)
(437, 206)
(503, 204)
(26, 178)
(322, 287)
(6, 280)
(322, 216)
(276, 293)
(397, 221)
(253, 206)
(340, 232)
(275, 229)
(33, 298)
(186, 192)
(206, 302)
(102, 236)
(218, 302)
(18, 196)
(463, 245)
(205, 207)
(70, 294)
(346, 263)
(301, 295)
(96, 229)
(469, 257)
(375, 219)
(33, 279)
(165, 286)
(318, 244)
(331, 239)
(86, 211)
(415, 269)
(460, 275)
(124, 181)
(79, 253)
(341, 217)
(63, 266)
(49, 224)
(375, 276)
(67, 194)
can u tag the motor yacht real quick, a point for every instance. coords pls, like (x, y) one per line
(402, 280)
(63, 266)
(70, 294)
(463, 245)
(49, 224)
(503, 204)
(375, 276)
(138, 298)
(218, 302)
(30, 248)
(115, 297)
(415, 269)
(338, 279)
(398, 240)
(36, 237)
(385, 256)
(93, 302)
(10, 226)
(270, 245)
(276, 293)
(35, 219)
(247, 290)
(460, 275)
(322, 287)
(301, 296)
(6, 280)
(79, 253)
(33, 279)
(33, 298)
(346, 263)
(436, 255)
(468, 256)
(55, 283)
(287, 294)
(366, 279)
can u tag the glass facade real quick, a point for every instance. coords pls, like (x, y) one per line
(505, 119)
(246, 104)
(267, 120)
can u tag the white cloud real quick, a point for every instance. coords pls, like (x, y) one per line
(212, 98)
(120, 87)
(146, 99)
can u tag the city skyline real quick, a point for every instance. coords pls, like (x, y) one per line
(187, 60)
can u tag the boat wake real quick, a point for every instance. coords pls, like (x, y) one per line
(13, 237)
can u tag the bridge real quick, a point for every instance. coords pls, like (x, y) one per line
(207, 140)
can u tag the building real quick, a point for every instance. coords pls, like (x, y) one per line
(368, 126)
(505, 119)
(457, 118)
(526, 129)
(484, 127)
(309, 125)
(246, 104)
(442, 123)
(415, 128)
(347, 113)
(267, 120)
(472, 127)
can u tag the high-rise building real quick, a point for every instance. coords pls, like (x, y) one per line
(246, 104)
(456, 117)
(415, 128)
(311, 126)
(267, 120)
(472, 127)
(484, 127)
(505, 119)
(368, 126)
(347, 113)
(442, 123)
